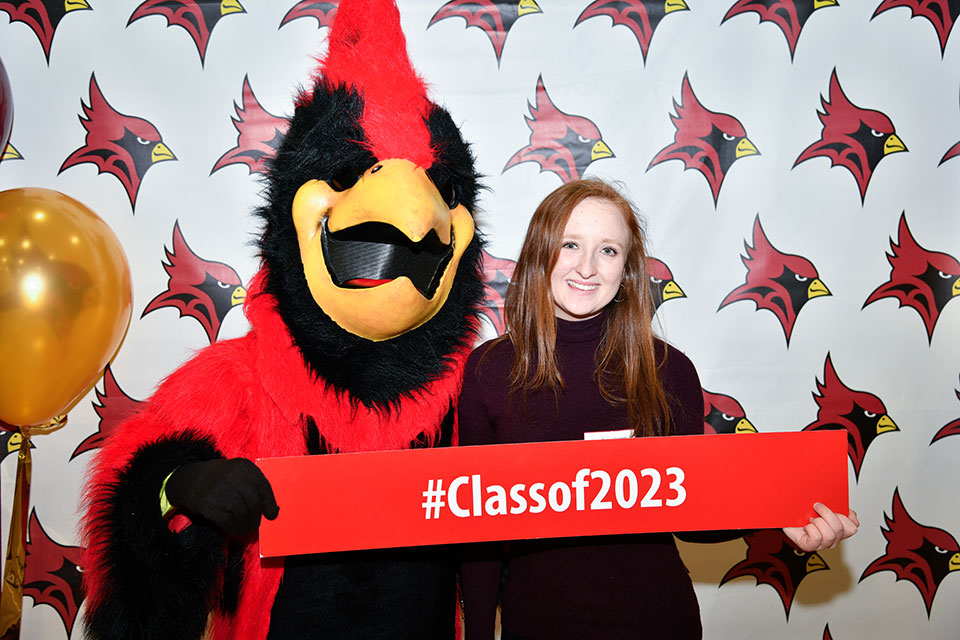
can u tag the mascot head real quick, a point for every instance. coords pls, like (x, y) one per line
(369, 245)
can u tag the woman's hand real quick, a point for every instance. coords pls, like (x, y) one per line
(825, 531)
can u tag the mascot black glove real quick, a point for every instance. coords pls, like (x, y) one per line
(231, 494)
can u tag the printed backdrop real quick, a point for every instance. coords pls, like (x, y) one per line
(796, 161)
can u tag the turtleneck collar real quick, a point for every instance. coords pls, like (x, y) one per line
(581, 330)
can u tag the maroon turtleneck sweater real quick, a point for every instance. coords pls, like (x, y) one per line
(605, 587)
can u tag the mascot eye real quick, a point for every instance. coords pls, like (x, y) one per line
(869, 414)
(143, 140)
(223, 285)
(945, 276)
(800, 278)
(346, 176)
(876, 134)
(798, 552)
(939, 549)
(584, 139)
(728, 137)
(655, 280)
(727, 417)
(444, 187)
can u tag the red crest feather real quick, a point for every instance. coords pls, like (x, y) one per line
(367, 52)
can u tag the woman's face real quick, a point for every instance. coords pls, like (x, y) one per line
(593, 252)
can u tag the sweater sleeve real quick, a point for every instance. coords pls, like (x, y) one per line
(684, 395)
(480, 563)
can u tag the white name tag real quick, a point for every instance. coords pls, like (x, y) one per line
(608, 435)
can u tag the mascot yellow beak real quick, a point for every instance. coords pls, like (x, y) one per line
(380, 257)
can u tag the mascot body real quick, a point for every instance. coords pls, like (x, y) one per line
(361, 319)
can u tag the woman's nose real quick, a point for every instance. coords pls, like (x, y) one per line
(586, 265)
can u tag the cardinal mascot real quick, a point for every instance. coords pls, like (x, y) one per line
(362, 315)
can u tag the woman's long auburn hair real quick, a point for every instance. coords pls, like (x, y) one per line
(627, 356)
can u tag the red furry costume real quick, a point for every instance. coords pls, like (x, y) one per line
(308, 379)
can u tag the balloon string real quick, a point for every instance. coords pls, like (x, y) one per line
(11, 595)
(14, 568)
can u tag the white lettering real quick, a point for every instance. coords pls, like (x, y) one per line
(579, 484)
(496, 504)
(452, 501)
(558, 490)
(628, 477)
(516, 494)
(539, 504)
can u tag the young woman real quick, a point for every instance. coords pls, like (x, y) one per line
(579, 356)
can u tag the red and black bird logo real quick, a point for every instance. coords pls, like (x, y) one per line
(723, 414)
(259, 136)
(952, 152)
(118, 144)
(789, 15)
(826, 633)
(662, 285)
(771, 559)
(942, 14)
(42, 16)
(920, 554)
(497, 273)
(778, 282)
(494, 17)
(862, 414)
(853, 138)
(559, 142)
(642, 17)
(322, 11)
(706, 141)
(198, 288)
(10, 440)
(921, 279)
(53, 574)
(114, 407)
(10, 153)
(196, 17)
(950, 429)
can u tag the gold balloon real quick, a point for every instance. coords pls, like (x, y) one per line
(65, 302)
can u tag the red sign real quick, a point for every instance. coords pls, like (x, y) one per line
(552, 489)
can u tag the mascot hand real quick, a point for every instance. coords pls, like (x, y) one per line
(232, 494)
